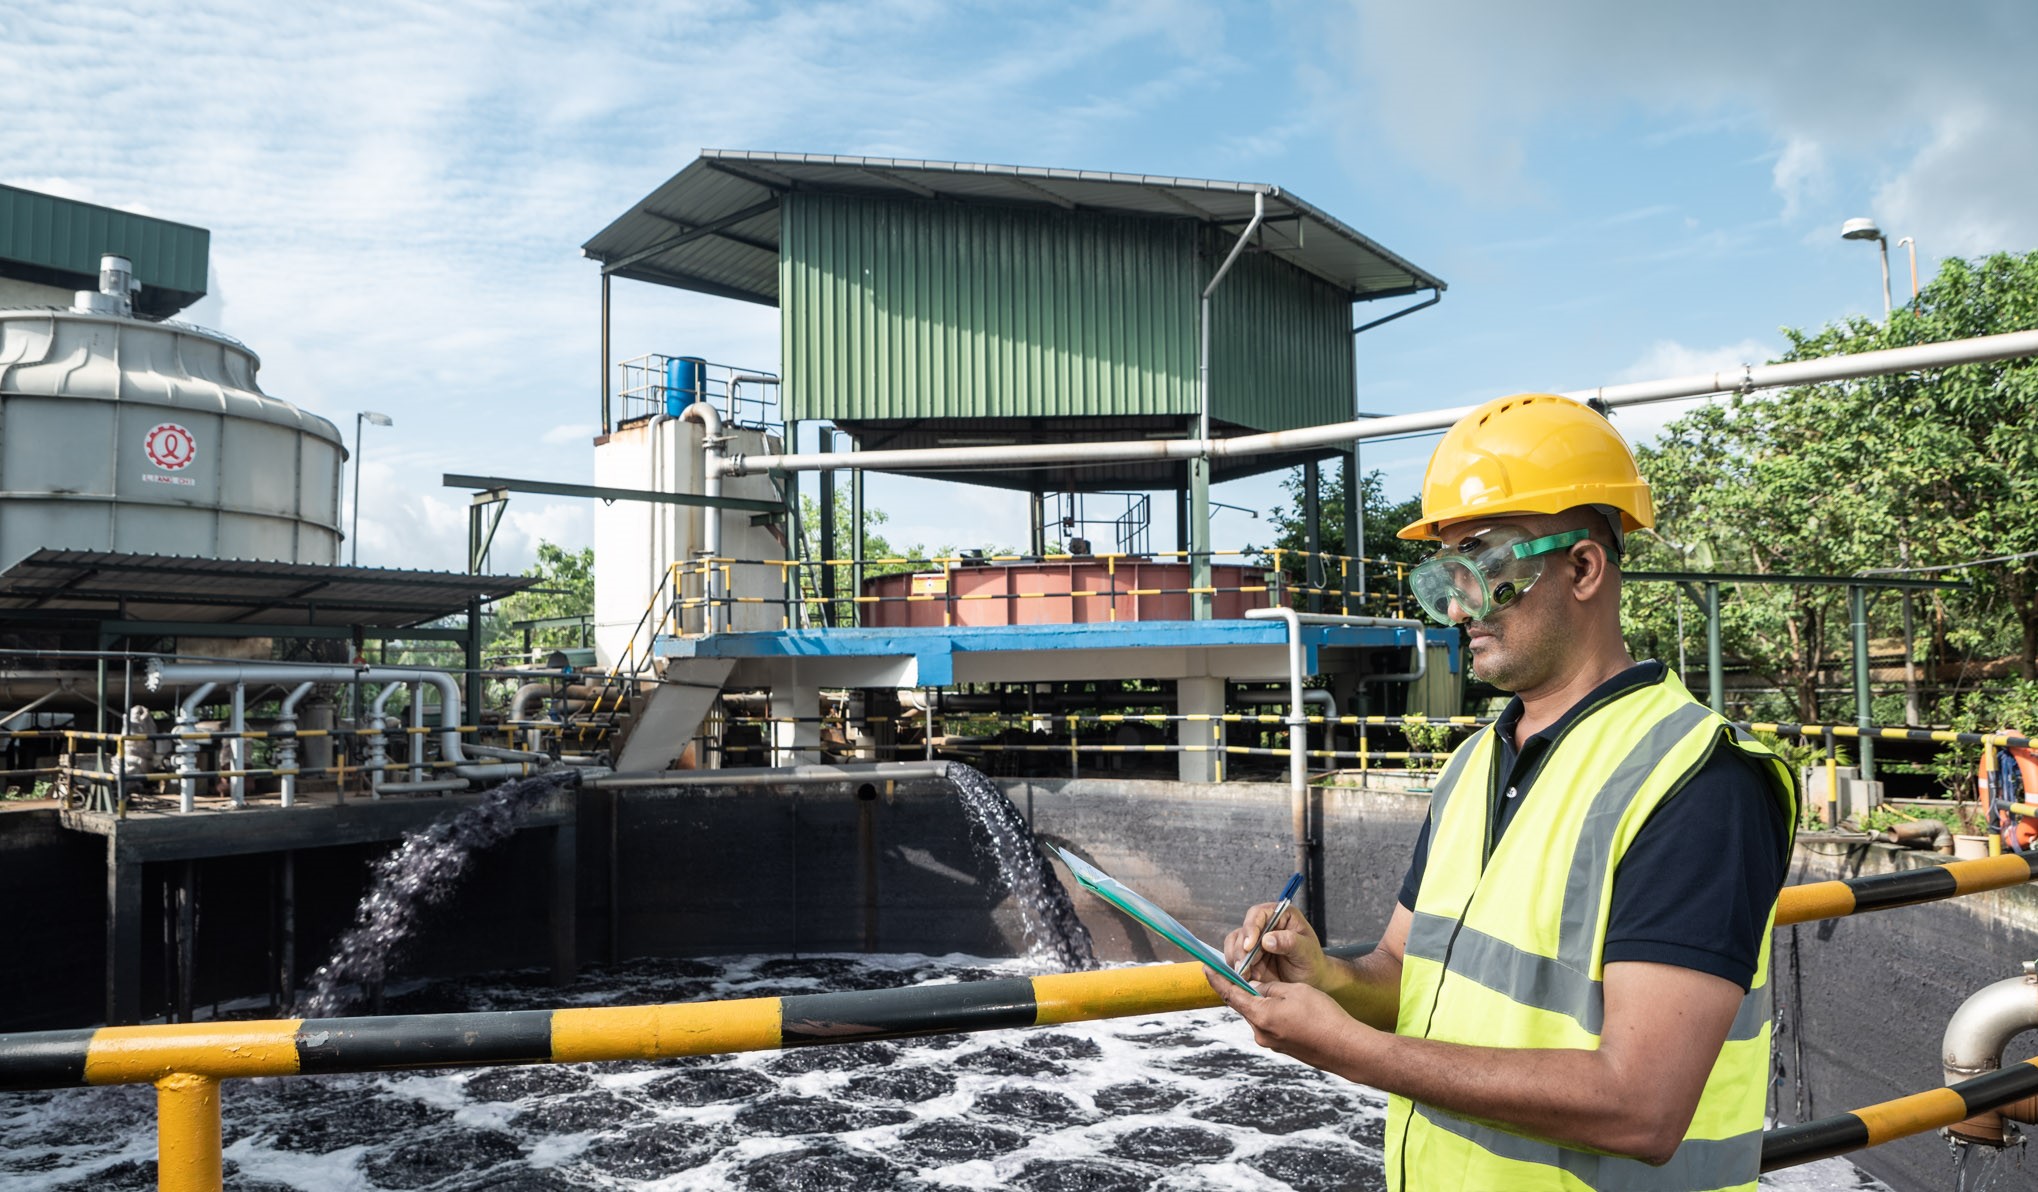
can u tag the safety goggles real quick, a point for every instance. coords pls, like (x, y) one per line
(1485, 572)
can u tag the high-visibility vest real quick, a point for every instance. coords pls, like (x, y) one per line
(1507, 944)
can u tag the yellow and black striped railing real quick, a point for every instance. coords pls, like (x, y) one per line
(187, 1061)
(1887, 1121)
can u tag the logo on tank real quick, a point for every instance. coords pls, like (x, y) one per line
(172, 448)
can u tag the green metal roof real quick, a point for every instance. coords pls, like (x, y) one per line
(57, 242)
(714, 226)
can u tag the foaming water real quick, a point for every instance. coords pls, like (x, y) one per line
(421, 871)
(1053, 932)
(1177, 1101)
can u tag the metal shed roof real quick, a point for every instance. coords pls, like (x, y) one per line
(174, 588)
(57, 242)
(714, 226)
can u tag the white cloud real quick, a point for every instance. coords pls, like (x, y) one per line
(396, 193)
(1800, 175)
(1667, 358)
(1939, 105)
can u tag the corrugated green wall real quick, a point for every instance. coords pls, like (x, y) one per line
(940, 310)
(1280, 347)
(68, 236)
(904, 309)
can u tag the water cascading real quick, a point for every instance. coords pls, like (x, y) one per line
(418, 873)
(1053, 932)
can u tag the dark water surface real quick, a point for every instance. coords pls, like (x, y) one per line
(1180, 1101)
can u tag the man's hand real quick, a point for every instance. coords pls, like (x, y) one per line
(1299, 1021)
(1291, 952)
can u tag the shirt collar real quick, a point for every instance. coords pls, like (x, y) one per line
(1639, 675)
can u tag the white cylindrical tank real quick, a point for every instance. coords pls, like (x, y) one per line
(127, 435)
(636, 542)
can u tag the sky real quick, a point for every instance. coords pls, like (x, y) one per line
(1613, 191)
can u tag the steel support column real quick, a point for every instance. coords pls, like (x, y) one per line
(1715, 667)
(1864, 709)
(1314, 572)
(827, 576)
(1355, 528)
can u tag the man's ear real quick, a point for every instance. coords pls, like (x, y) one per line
(1590, 567)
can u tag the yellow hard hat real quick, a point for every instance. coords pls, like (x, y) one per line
(1531, 453)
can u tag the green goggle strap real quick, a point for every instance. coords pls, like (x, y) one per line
(1553, 542)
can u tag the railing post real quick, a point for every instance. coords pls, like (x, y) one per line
(187, 1133)
(1864, 704)
(1715, 672)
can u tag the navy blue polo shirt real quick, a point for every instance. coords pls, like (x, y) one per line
(1695, 888)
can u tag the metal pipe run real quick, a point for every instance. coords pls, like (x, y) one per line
(1887, 1121)
(812, 775)
(1298, 717)
(161, 674)
(712, 470)
(1747, 379)
(1973, 1046)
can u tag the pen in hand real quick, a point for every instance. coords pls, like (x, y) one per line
(1273, 920)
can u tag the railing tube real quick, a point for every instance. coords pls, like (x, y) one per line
(188, 1134)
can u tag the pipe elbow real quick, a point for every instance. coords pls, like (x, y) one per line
(1985, 1023)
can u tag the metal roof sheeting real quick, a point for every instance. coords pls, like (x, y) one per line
(58, 242)
(913, 309)
(714, 226)
(133, 587)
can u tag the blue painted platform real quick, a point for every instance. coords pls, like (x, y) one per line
(934, 651)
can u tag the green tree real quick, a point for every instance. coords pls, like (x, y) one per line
(1917, 469)
(565, 588)
(1383, 518)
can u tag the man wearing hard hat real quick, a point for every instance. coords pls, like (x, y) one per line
(1573, 992)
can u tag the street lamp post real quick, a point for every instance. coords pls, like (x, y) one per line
(1865, 229)
(1912, 244)
(359, 418)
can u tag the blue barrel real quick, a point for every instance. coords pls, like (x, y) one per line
(686, 379)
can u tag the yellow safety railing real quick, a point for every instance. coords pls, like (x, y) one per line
(187, 1062)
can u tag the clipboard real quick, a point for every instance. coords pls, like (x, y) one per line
(1133, 903)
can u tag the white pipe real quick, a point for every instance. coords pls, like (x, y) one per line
(162, 674)
(1298, 720)
(713, 467)
(1203, 348)
(237, 786)
(187, 750)
(1421, 668)
(414, 745)
(286, 746)
(810, 775)
(1747, 378)
(1984, 1025)
(415, 788)
(378, 744)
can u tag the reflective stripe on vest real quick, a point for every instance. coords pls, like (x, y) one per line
(1700, 1163)
(1496, 956)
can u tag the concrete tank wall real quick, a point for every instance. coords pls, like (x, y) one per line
(120, 434)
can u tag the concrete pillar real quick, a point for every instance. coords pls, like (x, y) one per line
(795, 724)
(1198, 697)
(1199, 536)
